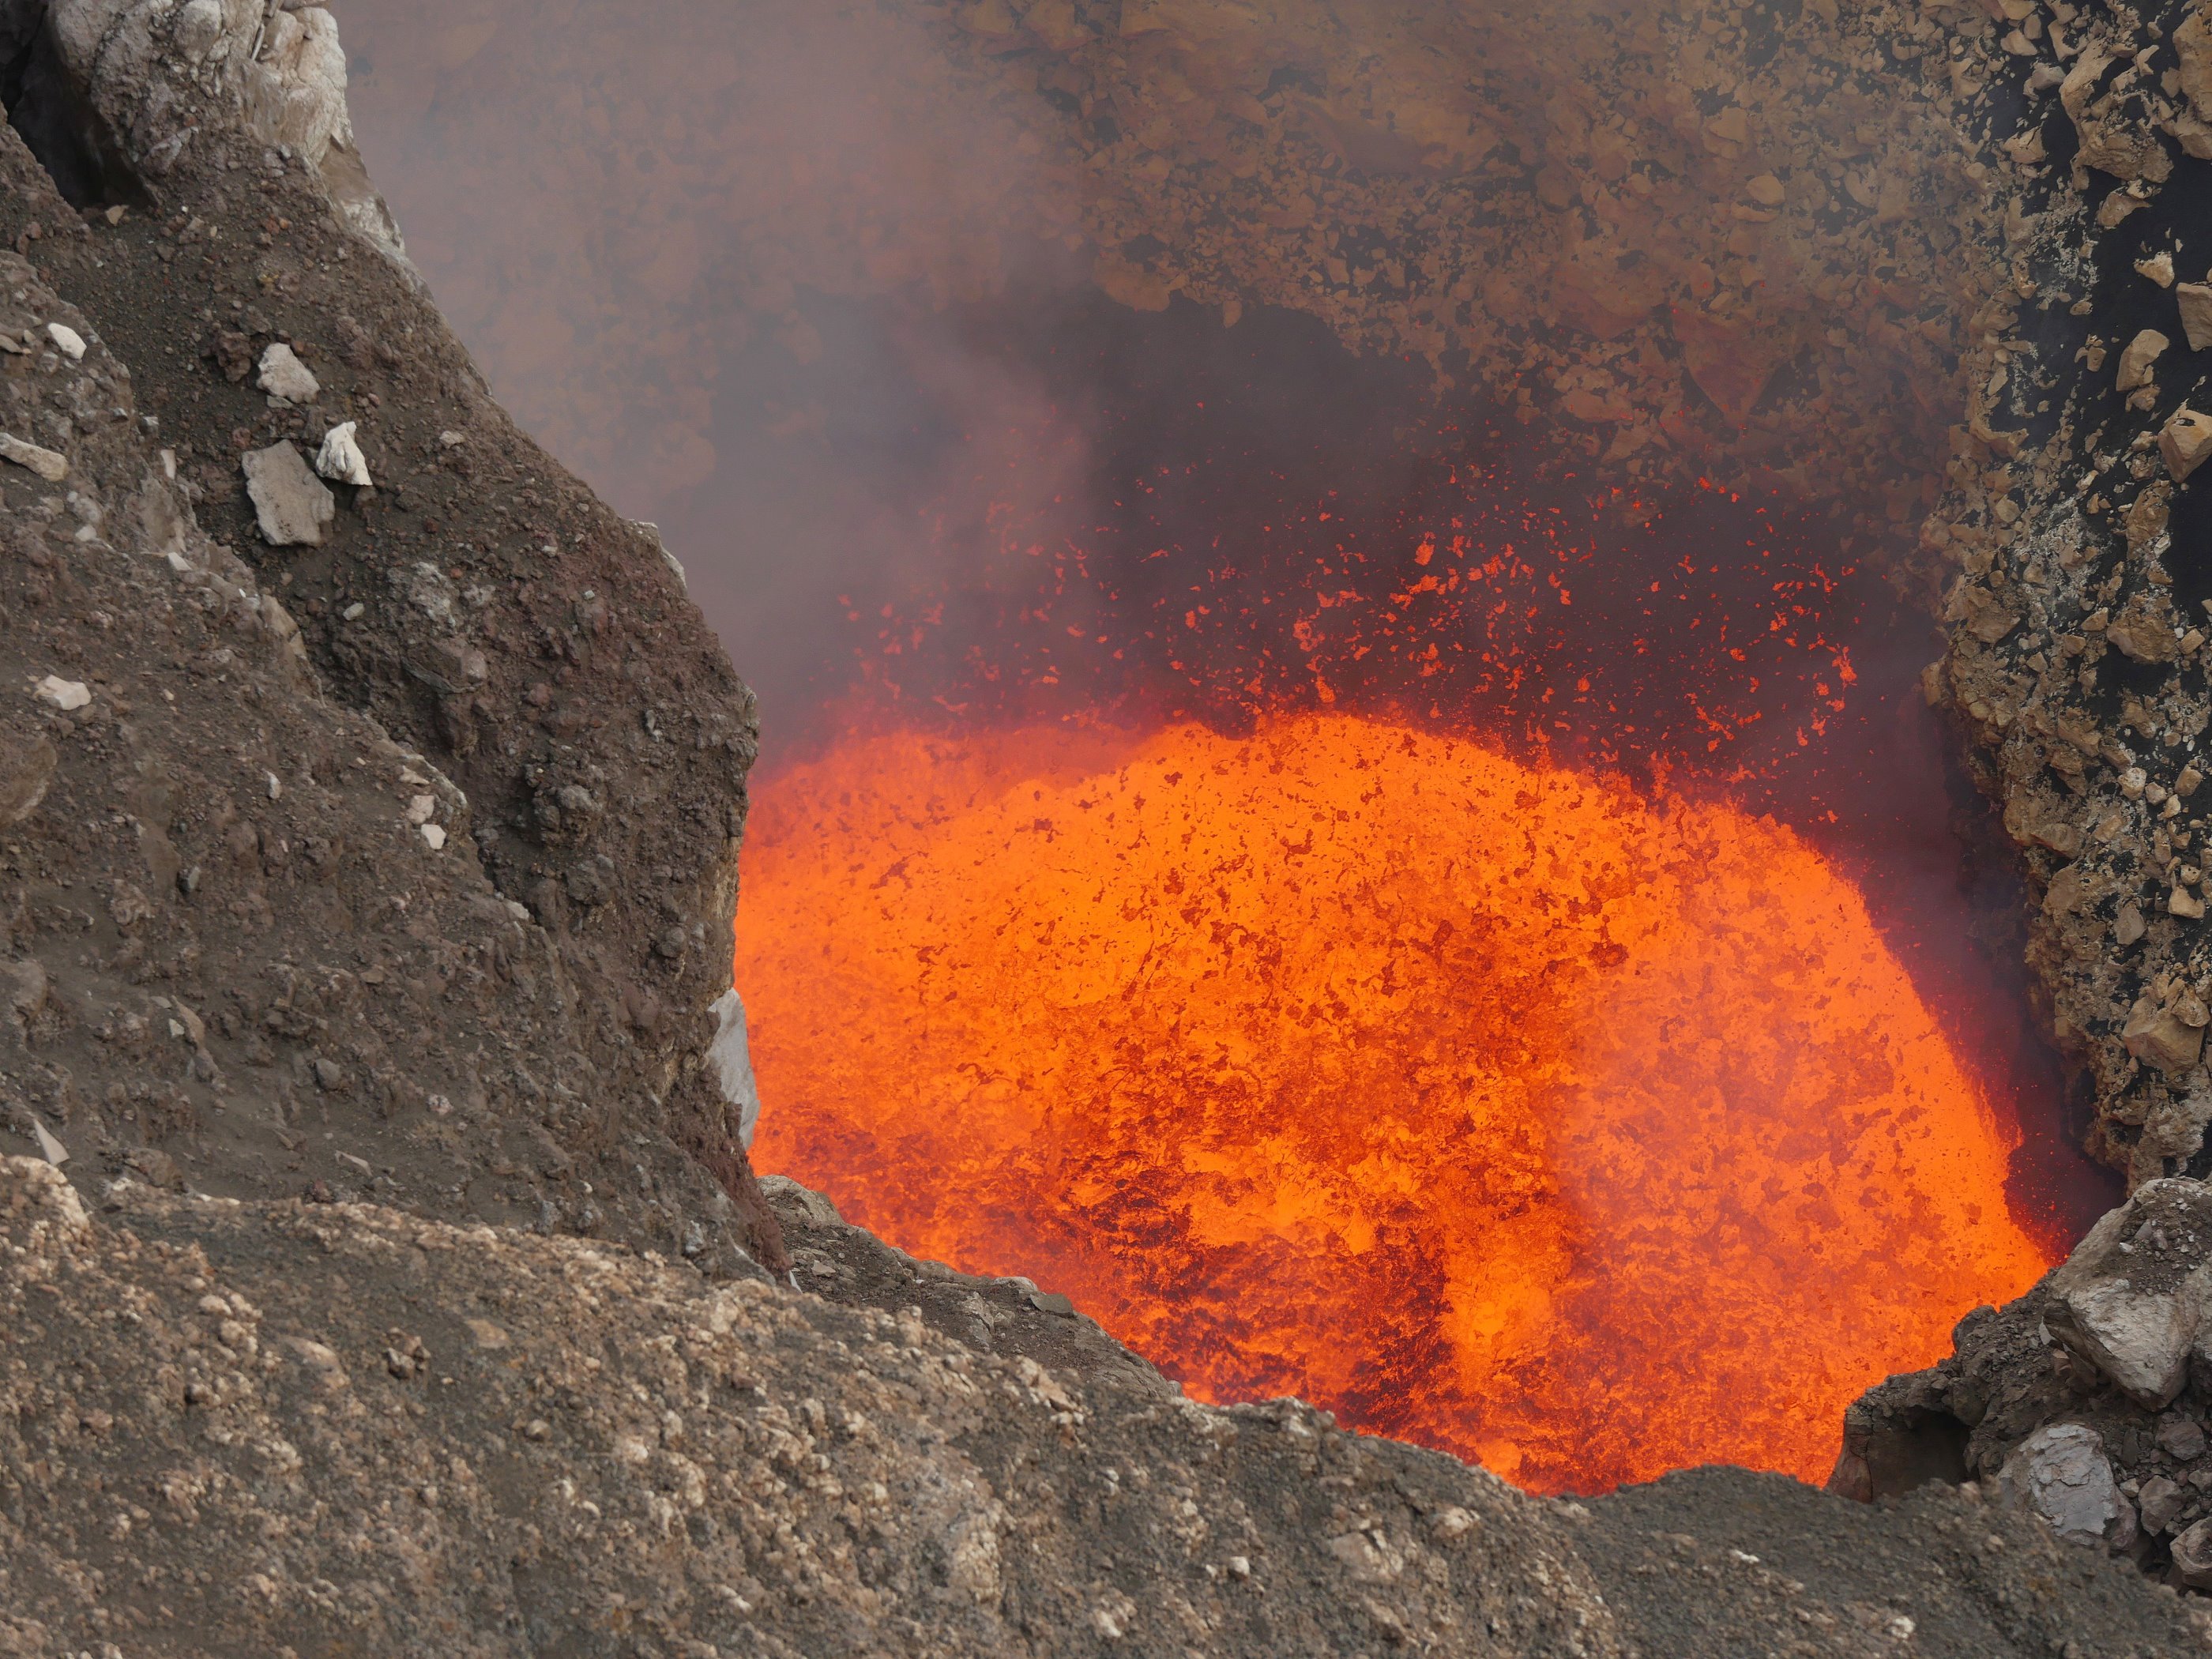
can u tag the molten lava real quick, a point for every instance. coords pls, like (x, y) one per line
(1586, 1132)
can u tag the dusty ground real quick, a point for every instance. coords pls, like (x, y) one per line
(326, 1430)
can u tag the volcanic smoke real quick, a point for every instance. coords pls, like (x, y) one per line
(1585, 1131)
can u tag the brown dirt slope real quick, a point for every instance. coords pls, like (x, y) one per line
(578, 732)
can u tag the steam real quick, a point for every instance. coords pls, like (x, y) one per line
(791, 280)
(654, 234)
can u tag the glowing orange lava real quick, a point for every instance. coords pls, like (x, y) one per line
(1490, 1105)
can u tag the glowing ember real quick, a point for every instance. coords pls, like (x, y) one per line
(1489, 1105)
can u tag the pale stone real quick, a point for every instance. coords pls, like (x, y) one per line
(2155, 1037)
(2131, 1299)
(732, 1054)
(68, 696)
(296, 92)
(67, 341)
(340, 459)
(2196, 303)
(2192, 1556)
(283, 375)
(2139, 1340)
(49, 466)
(291, 502)
(2161, 1500)
(2136, 359)
(200, 25)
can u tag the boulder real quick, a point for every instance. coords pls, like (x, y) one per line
(2192, 1556)
(2185, 441)
(2195, 301)
(283, 375)
(2137, 356)
(2061, 1474)
(2131, 1299)
(293, 505)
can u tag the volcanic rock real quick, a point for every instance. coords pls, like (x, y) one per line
(2192, 1557)
(2159, 1036)
(283, 375)
(2132, 1297)
(2196, 303)
(405, 1081)
(2136, 359)
(2061, 1474)
(293, 506)
(26, 768)
(68, 696)
(2157, 1502)
(340, 459)
(2185, 441)
(48, 463)
(733, 1065)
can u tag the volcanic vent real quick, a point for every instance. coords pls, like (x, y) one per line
(1424, 881)
(1334, 925)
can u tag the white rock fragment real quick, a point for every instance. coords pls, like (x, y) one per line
(733, 1065)
(68, 696)
(2159, 268)
(340, 459)
(674, 564)
(283, 375)
(435, 836)
(296, 89)
(420, 809)
(52, 1149)
(276, 785)
(292, 503)
(49, 466)
(67, 341)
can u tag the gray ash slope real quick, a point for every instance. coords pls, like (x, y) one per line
(310, 1358)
